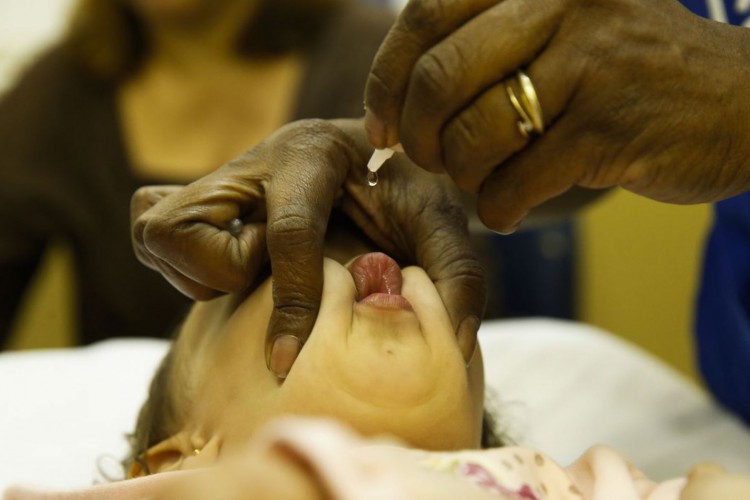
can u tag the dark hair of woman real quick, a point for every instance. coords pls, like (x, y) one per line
(108, 38)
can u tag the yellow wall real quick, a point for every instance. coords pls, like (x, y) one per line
(639, 267)
(46, 318)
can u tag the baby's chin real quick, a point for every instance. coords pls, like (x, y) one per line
(400, 370)
(433, 424)
(426, 429)
(384, 381)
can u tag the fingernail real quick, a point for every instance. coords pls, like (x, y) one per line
(397, 147)
(283, 353)
(466, 336)
(376, 130)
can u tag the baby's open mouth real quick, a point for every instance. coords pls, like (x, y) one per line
(378, 280)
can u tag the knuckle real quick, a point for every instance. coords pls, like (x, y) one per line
(458, 263)
(139, 198)
(314, 139)
(156, 232)
(469, 281)
(153, 227)
(449, 233)
(462, 141)
(292, 230)
(293, 308)
(452, 214)
(431, 77)
(464, 134)
(302, 134)
(296, 311)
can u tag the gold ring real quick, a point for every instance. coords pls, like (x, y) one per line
(528, 108)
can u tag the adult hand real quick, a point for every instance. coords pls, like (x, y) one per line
(640, 94)
(283, 191)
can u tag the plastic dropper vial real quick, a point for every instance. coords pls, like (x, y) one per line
(376, 161)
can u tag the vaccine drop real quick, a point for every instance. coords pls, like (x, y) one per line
(376, 161)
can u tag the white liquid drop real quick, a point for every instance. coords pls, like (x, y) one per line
(372, 178)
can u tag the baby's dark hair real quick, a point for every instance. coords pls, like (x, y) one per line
(160, 418)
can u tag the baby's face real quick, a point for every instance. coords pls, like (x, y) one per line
(382, 363)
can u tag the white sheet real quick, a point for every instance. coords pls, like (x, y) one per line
(561, 386)
(564, 386)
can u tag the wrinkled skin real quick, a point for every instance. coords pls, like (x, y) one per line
(284, 190)
(640, 94)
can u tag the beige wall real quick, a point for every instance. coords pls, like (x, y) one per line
(639, 268)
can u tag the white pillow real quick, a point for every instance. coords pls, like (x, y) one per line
(62, 409)
(561, 386)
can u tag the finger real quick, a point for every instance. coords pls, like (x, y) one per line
(190, 230)
(142, 200)
(420, 25)
(147, 196)
(205, 286)
(444, 250)
(183, 284)
(546, 168)
(449, 76)
(487, 133)
(300, 197)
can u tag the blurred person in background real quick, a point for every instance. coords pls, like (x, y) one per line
(156, 92)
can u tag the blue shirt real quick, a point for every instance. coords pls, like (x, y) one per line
(723, 315)
(722, 327)
(727, 11)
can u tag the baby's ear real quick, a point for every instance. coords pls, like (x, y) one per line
(181, 451)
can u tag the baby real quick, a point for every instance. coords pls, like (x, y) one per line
(382, 357)
(382, 360)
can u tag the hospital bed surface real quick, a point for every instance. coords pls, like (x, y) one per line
(558, 386)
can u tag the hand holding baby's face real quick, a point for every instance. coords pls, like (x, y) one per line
(710, 482)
